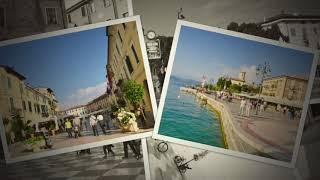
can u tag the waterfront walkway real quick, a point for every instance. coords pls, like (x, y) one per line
(269, 132)
(62, 140)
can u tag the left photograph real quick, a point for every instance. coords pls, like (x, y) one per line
(72, 89)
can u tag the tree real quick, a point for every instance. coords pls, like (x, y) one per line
(235, 88)
(220, 83)
(133, 92)
(228, 84)
(245, 88)
(262, 71)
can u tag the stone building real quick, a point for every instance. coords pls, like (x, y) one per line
(35, 104)
(83, 12)
(285, 88)
(303, 30)
(76, 111)
(27, 17)
(125, 61)
(99, 103)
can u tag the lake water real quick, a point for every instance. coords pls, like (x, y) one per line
(184, 118)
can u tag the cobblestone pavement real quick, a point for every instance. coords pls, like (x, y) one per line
(69, 166)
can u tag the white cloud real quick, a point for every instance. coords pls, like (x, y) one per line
(250, 73)
(84, 95)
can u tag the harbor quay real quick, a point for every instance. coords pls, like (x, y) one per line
(268, 133)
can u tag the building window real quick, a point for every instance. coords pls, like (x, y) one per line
(92, 7)
(83, 11)
(11, 103)
(9, 82)
(129, 65)
(124, 25)
(21, 89)
(135, 54)
(24, 105)
(2, 17)
(305, 37)
(120, 37)
(29, 106)
(106, 3)
(126, 14)
(51, 14)
(38, 108)
(35, 107)
(118, 50)
(293, 32)
(69, 18)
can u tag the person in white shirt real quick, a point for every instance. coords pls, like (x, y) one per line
(77, 125)
(93, 124)
(242, 106)
(248, 107)
(101, 123)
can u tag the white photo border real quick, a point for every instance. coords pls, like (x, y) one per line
(37, 155)
(156, 134)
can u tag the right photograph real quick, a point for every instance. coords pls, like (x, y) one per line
(227, 90)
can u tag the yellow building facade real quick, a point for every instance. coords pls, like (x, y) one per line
(125, 60)
(31, 103)
(285, 87)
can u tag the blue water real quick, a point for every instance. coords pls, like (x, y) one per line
(184, 117)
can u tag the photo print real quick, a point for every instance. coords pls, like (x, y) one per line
(36, 17)
(72, 89)
(233, 93)
(290, 21)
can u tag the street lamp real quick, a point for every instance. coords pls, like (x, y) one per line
(262, 71)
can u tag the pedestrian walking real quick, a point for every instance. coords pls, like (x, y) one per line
(258, 106)
(107, 149)
(248, 108)
(132, 147)
(77, 124)
(68, 127)
(93, 124)
(12, 137)
(101, 123)
(242, 106)
(141, 115)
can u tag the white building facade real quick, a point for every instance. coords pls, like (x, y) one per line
(303, 30)
(76, 111)
(83, 12)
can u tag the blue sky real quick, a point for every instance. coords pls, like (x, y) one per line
(201, 52)
(73, 65)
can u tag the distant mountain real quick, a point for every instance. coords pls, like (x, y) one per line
(183, 82)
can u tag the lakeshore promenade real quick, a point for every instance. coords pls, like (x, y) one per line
(268, 134)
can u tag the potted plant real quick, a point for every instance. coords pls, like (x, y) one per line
(30, 131)
(127, 121)
(34, 144)
(134, 93)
